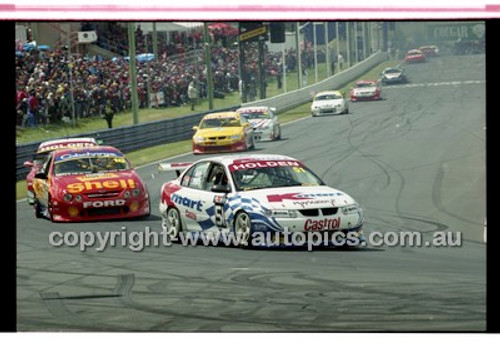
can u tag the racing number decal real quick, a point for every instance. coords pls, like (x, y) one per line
(219, 215)
(219, 201)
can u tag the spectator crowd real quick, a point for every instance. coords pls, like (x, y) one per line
(43, 80)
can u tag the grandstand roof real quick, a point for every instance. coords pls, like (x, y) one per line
(147, 27)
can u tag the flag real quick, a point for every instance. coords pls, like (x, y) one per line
(87, 36)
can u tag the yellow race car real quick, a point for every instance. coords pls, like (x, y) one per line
(223, 132)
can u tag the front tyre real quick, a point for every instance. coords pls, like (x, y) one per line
(171, 223)
(243, 229)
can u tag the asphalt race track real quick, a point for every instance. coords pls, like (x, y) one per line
(415, 161)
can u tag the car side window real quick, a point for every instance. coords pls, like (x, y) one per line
(217, 176)
(46, 164)
(195, 176)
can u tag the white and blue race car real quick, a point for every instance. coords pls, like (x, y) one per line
(264, 121)
(252, 196)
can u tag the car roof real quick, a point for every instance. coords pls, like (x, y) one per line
(329, 92)
(86, 149)
(366, 81)
(230, 159)
(222, 114)
(52, 144)
(415, 50)
(249, 108)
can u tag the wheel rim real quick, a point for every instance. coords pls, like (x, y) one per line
(242, 228)
(172, 223)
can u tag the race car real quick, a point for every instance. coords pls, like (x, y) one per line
(415, 56)
(366, 90)
(246, 195)
(329, 103)
(264, 122)
(429, 50)
(223, 132)
(83, 184)
(393, 75)
(41, 154)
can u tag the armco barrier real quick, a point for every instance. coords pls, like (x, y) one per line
(136, 137)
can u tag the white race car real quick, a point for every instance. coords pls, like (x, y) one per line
(255, 195)
(264, 122)
(329, 103)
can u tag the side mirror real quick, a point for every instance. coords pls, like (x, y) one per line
(246, 124)
(195, 128)
(28, 164)
(41, 175)
(221, 188)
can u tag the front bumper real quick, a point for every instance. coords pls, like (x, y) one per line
(328, 111)
(263, 135)
(215, 147)
(97, 210)
(355, 98)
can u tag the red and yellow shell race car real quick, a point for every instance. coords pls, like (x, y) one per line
(42, 152)
(82, 184)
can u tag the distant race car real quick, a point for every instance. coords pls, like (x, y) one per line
(245, 195)
(393, 75)
(430, 50)
(264, 121)
(223, 132)
(329, 103)
(415, 56)
(95, 183)
(44, 149)
(366, 90)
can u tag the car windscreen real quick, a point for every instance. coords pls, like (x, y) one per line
(220, 122)
(271, 174)
(365, 84)
(328, 97)
(90, 163)
(256, 115)
(392, 71)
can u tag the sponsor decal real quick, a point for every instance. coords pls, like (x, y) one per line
(104, 204)
(300, 196)
(189, 203)
(93, 154)
(96, 176)
(190, 215)
(321, 225)
(65, 145)
(263, 164)
(78, 187)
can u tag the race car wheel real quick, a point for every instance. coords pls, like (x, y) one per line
(278, 137)
(243, 229)
(252, 144)
(172, 222)
(49, 209)
(38, 210)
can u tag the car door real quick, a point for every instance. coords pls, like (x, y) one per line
(247, 130)
(41, 185)
(193, 200)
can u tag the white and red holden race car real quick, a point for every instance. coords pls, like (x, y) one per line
(249, 194)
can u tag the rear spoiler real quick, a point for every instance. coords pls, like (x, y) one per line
(170, 167)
